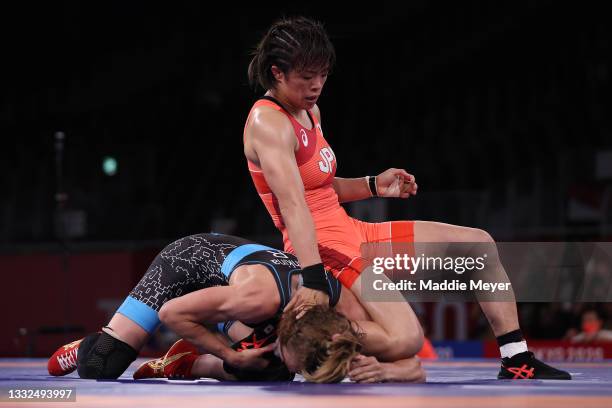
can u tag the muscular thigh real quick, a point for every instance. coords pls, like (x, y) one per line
(433, 238)
(341, 243)
(127, 331)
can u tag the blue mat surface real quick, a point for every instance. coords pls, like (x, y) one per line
(454, 383)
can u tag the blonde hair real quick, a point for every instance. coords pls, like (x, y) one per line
(323, 341)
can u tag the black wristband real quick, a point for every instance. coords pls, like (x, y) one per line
(372, 185)
(315, 277)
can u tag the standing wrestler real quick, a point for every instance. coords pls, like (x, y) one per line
(293, 169)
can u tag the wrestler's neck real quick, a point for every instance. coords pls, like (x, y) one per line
(290, 107)
(296, 282)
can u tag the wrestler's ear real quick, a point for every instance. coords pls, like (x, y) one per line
(277, 73)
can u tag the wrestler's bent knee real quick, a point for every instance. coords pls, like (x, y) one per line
(101, 356)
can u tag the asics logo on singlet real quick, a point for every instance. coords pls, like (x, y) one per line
(255, 344)
(328, 157)
(304, 137)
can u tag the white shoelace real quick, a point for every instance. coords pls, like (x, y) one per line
(68, 360)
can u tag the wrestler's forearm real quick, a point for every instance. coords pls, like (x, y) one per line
(210, 366)
(406, 370)
(351, 189)
(186, 315)
(197, 334)
(301, 230)
(384, 345)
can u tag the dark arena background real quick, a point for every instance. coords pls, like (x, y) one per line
(121, 130)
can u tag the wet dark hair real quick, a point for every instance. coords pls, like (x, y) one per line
(296, 43)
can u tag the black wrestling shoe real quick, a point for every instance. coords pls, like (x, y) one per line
(525, 366)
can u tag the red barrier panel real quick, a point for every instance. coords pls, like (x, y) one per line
(39, 294)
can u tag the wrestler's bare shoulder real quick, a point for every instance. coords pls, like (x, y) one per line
(267, 127)
(263, 118)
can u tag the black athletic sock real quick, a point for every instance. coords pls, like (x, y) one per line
(514, 336)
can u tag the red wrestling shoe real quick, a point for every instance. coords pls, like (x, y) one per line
(176, 363)
(64, 360)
